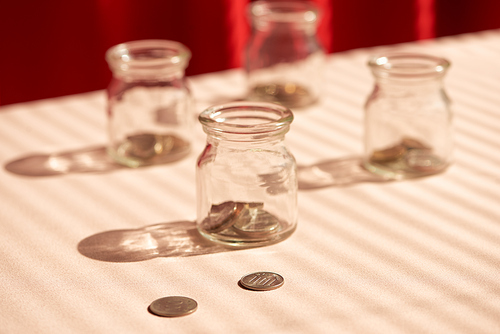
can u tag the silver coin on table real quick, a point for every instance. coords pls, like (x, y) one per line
(262, 281)
(173, 306)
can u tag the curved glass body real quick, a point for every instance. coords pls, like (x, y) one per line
(149, 103)
(283, 58)
(408, 130)
(246, 177)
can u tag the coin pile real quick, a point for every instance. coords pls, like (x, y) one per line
(399, 150)
(245, 219)
(410, 156)
(290, 94)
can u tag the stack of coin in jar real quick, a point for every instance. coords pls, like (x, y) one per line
(245, 219)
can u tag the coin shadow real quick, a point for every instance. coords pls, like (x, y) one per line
(173, 239)
(85, 160)
(343, 171)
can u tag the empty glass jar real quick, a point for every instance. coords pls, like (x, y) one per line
(149, 104)
(283, 58)
(246, 177)
(408, 131)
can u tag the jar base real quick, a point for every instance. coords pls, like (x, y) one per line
(237, 241)
(406, 167)
(149, 149)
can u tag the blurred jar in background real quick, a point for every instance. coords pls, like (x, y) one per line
(283, 59)
(149, 103)
(408, 130)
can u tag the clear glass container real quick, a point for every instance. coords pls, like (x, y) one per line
(149, 103)
(408, 128)
(246, 177)
(283, 58)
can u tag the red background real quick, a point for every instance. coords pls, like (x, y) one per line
(53, 48)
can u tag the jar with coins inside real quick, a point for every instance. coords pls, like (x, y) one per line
(408, 130)
(246, 177)
(283, 58)
(149, 103)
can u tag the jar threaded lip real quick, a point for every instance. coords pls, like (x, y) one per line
(246, 118)
(408, 65)
(149, 55)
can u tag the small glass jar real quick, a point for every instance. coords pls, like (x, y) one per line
(246, 177)
(149, 103)
(283, 59)
(408, 131)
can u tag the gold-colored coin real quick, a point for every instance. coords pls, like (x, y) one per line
(289, 94)
(388, 154)
(411, 143)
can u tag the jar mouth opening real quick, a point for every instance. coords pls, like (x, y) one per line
(152, 54)
(286, 12)
(408, 65)
(246, 118)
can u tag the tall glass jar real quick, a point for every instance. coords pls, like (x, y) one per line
(246, 177)
(283, 59)
(149, 103)
(408, 131)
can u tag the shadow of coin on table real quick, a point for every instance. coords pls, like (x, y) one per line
(86, 160)
(174, 239)
(334, 173)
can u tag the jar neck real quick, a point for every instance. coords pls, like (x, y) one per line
(167, 75)
(395, 87)
(222, 143)
(278, 28)
(224, 138)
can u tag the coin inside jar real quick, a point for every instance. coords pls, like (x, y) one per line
(411, 143)
(173, 306)
(255, 222)
(221, 216)
(388, 154)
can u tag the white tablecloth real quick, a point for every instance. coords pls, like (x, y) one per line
(86, 246)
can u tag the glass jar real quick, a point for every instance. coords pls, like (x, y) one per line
(283, 59)
(149, 103)
(407, 117)
(246, 177)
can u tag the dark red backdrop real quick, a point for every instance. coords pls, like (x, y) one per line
(54, 48)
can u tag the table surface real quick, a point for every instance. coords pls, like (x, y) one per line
(86, 246)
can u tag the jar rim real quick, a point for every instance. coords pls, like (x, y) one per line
(284, 11)
(408, 65)
(149, 54)
(246, 117)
